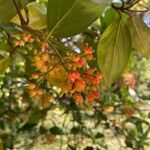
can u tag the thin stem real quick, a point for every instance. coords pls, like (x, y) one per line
(22, 21)
(57, 52)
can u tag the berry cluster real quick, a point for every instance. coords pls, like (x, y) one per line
(82, 80)
(78, 79)
(40, 58)
(20, 41)
(42, 66)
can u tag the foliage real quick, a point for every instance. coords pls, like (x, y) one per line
(67, 58)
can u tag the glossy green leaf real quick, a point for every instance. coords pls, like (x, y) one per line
(37, 16)
(69, 17)
(7, 10)
(4, 64)
(113, 51)
(140, 36)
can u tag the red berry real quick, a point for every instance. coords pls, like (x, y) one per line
(97, 95)
(99, 76)
(79, 85)
(89, 56)
(81, 63)
(31, 86)
(88, 50)
(78, 98)
(40, 91)
(90, 71)
(74, 75)
(91, 97)
(95, 81)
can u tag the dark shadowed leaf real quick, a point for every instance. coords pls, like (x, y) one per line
(69, 17)
(75, 130)
(129, 143)
(99, 135)
(56, 131)
(89, 148)
(113, 51)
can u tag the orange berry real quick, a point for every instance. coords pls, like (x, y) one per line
(35, 75)
(91, 97)
(78, 98)
(75, 58)
(96, 94)
(40, 91)
(79, 85)
(45, 46)
(49, 98)
(30, 39)
(95, 81)
(31, 86)
(94, 88)
(27, 38)
(99, 76)
(45, 57)
(39, 64)
(81, 63)
(67, 87)
(89, 56)
(19, 43)
(88, 50)
(32, 93)
(44, 69)
(74, 75)
(88, 78)
(90, 71)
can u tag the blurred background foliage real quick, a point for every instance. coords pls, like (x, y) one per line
(120, 120)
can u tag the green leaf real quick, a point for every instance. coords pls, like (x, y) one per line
(69, 17)
(129, 143)
(140, 36)
(7, 10)
(99, 135)
(109, 16)
(11, 28)
(37, 16)
(4, 64)
(113, 51)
